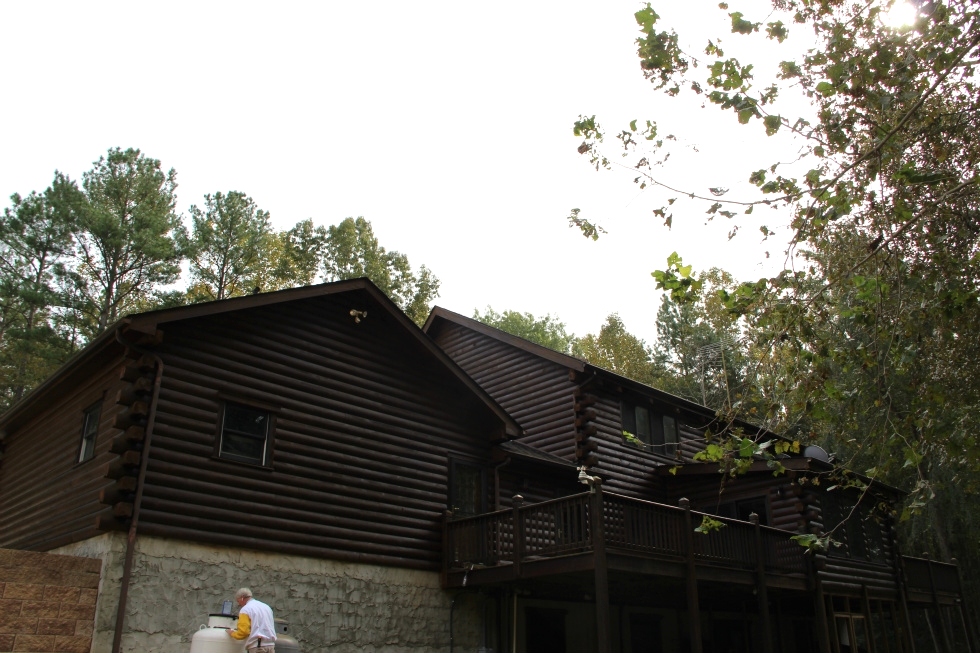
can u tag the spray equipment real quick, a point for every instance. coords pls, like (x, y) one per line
(213, 637)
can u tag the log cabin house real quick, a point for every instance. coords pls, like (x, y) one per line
(388, 488)
(625, 548)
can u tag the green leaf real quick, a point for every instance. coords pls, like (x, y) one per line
(712, 453)
(777, 30)
(772, 123)
(709, 525)
(909, 174)
(588, 229)
(742, 26)
(789, 69)
(646, 18)
(746, 448)
(812, 542)
(826, 89)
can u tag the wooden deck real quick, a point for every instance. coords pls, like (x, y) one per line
(930, 582)
(560, 536)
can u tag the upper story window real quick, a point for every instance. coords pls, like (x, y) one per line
(246, 434)
(90, 429)
(859, 531)
(657, 432)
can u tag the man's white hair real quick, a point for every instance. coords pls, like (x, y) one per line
(242, 593)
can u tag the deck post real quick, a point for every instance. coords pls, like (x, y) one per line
(597, 525)
(967, 627)
(903, 607)
(908, 642)
(820, 610)
(762, 591)
(693, 606)
(866, 609)
(941, 620)
(518, 535)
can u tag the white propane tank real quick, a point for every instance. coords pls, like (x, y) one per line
(213, 638)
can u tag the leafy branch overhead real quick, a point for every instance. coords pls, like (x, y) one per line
(864, 90)
(864, 343)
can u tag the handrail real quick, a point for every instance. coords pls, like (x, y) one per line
(561, 526)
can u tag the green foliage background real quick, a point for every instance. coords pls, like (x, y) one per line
(76, 258)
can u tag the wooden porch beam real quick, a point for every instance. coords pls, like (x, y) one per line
(762, 591)
(601, 571)
(820, 608)
(693, 605)
(941, 620)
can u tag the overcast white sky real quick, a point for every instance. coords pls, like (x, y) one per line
(448, 125)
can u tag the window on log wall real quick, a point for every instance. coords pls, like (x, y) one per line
(655, 431)
(468, 488)
(246, 434)
(90, 429)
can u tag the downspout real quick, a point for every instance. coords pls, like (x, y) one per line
(496, 482)
(452, 607)
(134, 522)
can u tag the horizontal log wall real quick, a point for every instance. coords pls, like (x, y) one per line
(365, 421)
(847, 577)
(539, 394)
(624, 468)
(706, 492)
(48, 498)
(628, 468)
(536, 392)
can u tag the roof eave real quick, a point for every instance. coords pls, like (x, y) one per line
(438, 313)
(150, 321)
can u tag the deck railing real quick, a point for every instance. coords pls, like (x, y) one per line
(563, 526)
(556, 527)
(929, 576)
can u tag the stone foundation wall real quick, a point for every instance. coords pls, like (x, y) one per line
(47, 602)
(330, 606)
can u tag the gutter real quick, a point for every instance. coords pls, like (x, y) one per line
(141, 477)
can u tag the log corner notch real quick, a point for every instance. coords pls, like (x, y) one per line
(585, 445)
(134, 400)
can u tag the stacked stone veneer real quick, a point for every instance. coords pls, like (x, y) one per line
(330, 606)
(47, 602)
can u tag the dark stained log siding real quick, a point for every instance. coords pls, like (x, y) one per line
(629, 469)
(364, 423)
(624, 468)
(47, 498)
(536, 392)
(691, 441)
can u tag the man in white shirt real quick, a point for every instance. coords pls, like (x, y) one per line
(255, 623)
